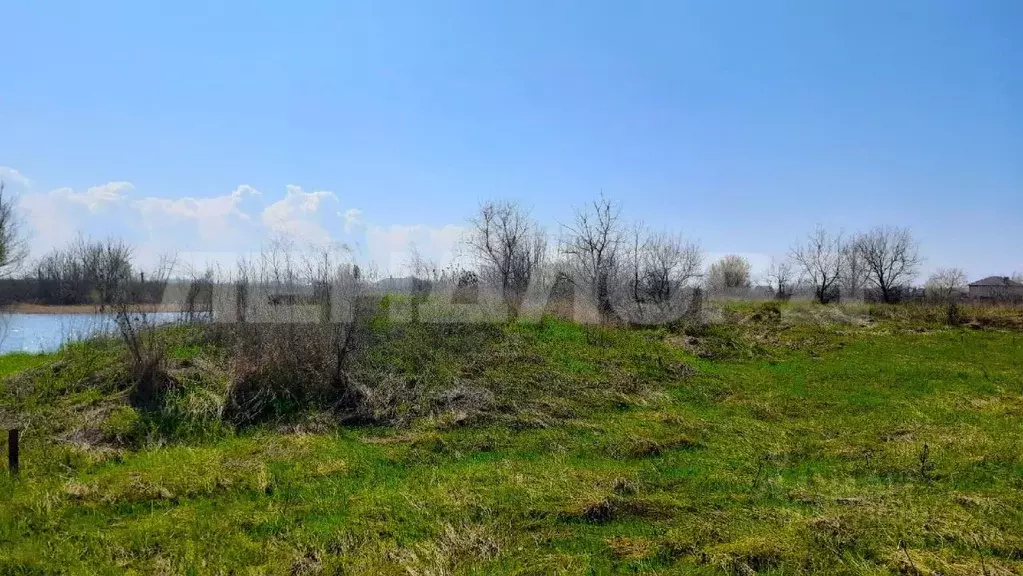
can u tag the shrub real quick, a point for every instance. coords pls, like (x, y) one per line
(282, 369)
(768, 312)
(121, 424)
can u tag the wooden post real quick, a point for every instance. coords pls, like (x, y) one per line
(12, 451)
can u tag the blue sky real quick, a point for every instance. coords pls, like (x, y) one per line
(743, 124)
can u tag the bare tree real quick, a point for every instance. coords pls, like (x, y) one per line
(945, 283)
(820, 258)
(891, 256)
(670, 262)
(13, 247)
(13, 243)
(660, 268)
(61, 276)
(198, 301)
(510, 248)
(1017, 276)
(590, 246)
(728, 275)
(86, 271)
(425, 272)
(634, 248)
(781, 278)
(107, 268)
(854, 272)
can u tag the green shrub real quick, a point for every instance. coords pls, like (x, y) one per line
(121, 425)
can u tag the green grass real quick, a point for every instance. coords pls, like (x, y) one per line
(778, 446)
(20, 361)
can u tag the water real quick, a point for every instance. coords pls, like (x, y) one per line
(46, 332)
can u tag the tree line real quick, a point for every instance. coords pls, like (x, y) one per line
(627, 267)
(622, 267)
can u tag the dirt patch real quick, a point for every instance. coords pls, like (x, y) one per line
(626, 548)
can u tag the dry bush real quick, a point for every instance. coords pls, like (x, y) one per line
(397, 400)
(282, 369)
(295, 341)
(295, 323)
(972, 313)
(145, 344)
(462, 404)
(393, 399)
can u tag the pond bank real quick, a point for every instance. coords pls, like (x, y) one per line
(26, 308)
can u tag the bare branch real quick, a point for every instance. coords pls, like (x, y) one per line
(591, 245)
(656, 270)
(945, 283)
(891, 256)
(13, 242)
(820, 258)
(510, 249)
(781, 277)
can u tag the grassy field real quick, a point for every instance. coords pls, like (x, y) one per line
(786, 440)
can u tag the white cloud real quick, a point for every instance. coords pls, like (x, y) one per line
(54, 220)
(212, 214)
(50, 221)
(96, 197)
(8, 174)
(353, 219)
(293, 216)
(232, 223)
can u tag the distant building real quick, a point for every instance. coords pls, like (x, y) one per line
(997, 287)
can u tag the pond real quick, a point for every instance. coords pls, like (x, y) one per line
(47, 332)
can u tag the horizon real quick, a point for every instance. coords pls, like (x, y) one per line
(189, 128)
